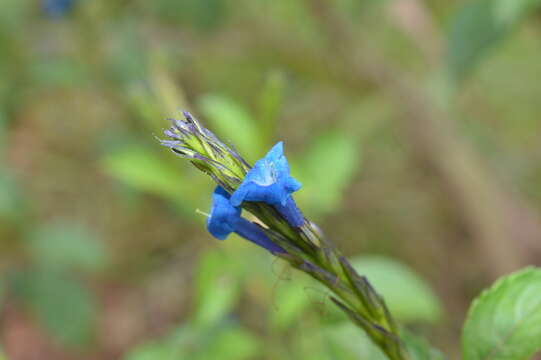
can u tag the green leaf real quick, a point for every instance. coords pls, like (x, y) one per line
(478, 27)
(409, 298)
(231, 343)
(473, 31)
(504, 322)
(62, 304)
(67, 245)
(217, 290)
(223, 341)
(232, 123)
(325, 169)
(145, 170)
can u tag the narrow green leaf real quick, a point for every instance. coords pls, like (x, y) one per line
(409, 297)
(504, 322)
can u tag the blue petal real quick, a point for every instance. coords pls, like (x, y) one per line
(268, 181)
(223, 216)
(252, 232)
(291, 213)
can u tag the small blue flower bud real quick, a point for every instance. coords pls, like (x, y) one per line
(269, 181)
(225, 218)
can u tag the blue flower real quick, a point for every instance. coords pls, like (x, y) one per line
(269, 181)
(225, 218)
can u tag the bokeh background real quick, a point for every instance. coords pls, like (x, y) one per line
(414, 126)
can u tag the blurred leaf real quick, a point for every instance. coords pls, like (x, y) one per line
(477, 27)
(233, 124)
(217, 289)
(350, 342)
(67, 245)
(504, 322)
(231, 343)
(154, 350)
(177, 345)
(224, 342)
(291, 301)
(409, 298)
(473, 31)
(419, 348)
(346, 341)
(325, 169)
(62, 304)
(146, 171)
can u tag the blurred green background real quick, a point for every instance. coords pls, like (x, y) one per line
(414, 126)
